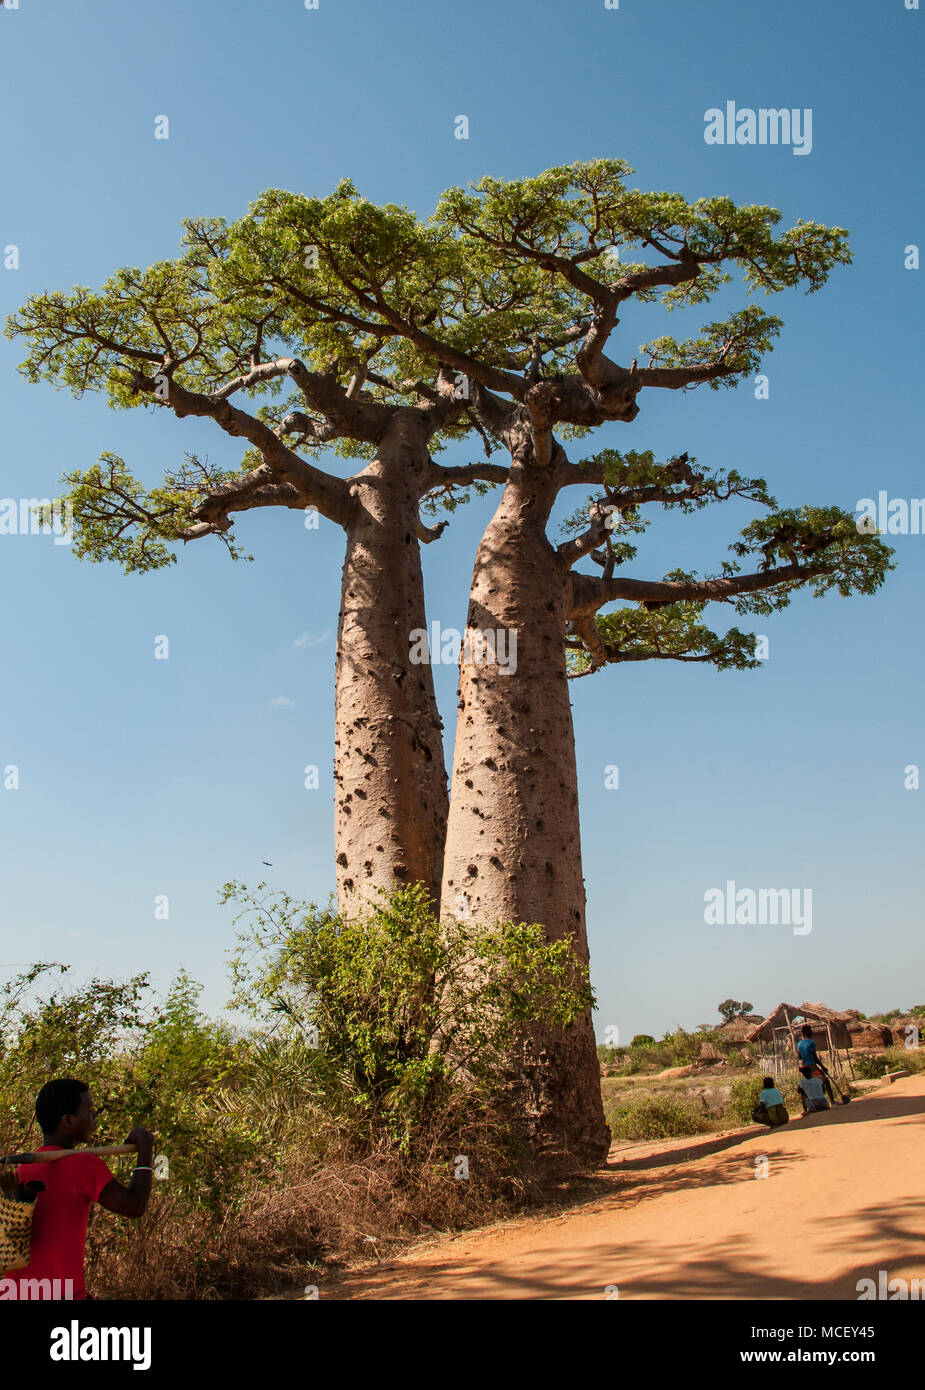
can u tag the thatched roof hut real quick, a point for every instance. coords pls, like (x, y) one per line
(907, 1031)
(817, 1015)
(738, 1028)
(866, 1034)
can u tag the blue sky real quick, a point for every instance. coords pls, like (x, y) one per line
(143, 777)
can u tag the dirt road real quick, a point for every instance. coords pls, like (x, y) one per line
(844, 1197)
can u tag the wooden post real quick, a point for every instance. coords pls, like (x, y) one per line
(790, 1030)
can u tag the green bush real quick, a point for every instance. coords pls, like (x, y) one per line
(910, 1058)
(656, 1117)
(683, 1047)
(168, 1068)
(625, 1060)
(408, 1013)
(617, 1059)
(867, 1068)
(739, 1057)
(651, 1057)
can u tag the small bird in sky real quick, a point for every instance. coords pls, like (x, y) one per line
(267, 862)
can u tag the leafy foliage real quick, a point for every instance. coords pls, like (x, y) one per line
(509, 274)
(404, 1010)
(737, 344)
(167, 1067)
(672, 633)
(871, 1067)
(823, 546)
(580, 220)
(116, 518)
(369, 1067)
(656, 1117)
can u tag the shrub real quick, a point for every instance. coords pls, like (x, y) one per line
(684, 1047)
(910, 1058)
(866, 1068)
(409, 1014)
(650, 1056)
(168, 1068)
(617, 1060)
(739, 1058)
(656, 1117)
(871, 1066)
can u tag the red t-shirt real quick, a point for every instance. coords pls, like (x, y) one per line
(59, 1222)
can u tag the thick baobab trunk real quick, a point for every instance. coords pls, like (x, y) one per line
(513, 846)
(389, 770)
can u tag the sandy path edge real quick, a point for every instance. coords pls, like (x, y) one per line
(694, 1219)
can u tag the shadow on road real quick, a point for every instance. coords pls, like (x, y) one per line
(650, 1268)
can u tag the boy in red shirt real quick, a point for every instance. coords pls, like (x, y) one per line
(69, 1187)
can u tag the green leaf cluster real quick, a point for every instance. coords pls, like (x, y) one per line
(403, 1008)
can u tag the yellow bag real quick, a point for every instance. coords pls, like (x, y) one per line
(15, 1232)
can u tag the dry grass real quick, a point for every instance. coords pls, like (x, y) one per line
(336, 1212)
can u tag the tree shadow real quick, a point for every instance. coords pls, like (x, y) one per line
(649, 1268)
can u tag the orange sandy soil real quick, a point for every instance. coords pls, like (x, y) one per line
(688, 1219)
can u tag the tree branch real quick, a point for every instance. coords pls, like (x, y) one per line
(461, 474)
(317, 488)
(590, 593)
(358, 419)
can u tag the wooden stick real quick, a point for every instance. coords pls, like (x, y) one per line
(53, 1154)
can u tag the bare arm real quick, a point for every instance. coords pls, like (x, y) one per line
(132, 1200)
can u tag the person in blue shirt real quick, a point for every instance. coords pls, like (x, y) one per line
(770, 1110)
(809, 1060)
(806, 1049)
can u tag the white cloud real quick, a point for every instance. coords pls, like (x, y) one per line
(283, 700)
(307, 640)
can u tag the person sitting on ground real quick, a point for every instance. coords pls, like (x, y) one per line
(69, 1187)
(812, 1093)
(770, 1110)
(810, 1064)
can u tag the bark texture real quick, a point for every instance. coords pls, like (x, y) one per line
(513, 849)
(389, 771)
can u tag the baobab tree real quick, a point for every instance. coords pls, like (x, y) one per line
(513, 293)
(513, 842)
